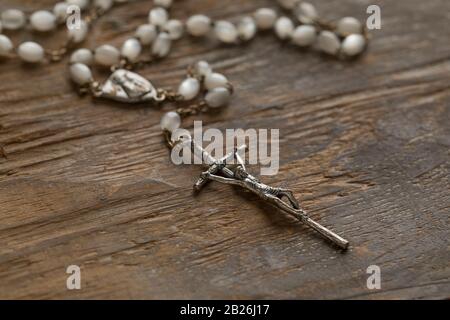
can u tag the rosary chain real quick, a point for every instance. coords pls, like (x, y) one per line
(56, 55)
(95, 88)
(193, 109)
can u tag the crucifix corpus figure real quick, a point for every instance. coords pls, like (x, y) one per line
(237, 175)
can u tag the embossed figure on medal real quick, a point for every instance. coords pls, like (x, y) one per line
(297, 23)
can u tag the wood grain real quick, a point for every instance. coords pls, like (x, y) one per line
(365, 146)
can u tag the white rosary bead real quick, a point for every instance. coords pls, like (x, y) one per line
(78, 35)
(284, 27)
(198, 25)
(106, 55)
(83, 4)
(306, 13)
(189, 88)
(80, 73)
(13, 19)
(265, 18)
(288, 4)
(349, 25)
(105, 5)
(203, 68)
(131, 49)
(180, 135)
(174, 28)
(215, 80)
(218, 97)
(163, 3)
(353, 45)
(226, 31)
(158, 16)
(43, 20)
(304, 35)
(247, 28)
(170, 121)
(161, 46)
(146, 33)
(83, 55)
(31, 52)
(328, 42)
(60, 11)
(6, 45)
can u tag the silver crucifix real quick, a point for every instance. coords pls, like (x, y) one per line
(240, 177)
(126, 86)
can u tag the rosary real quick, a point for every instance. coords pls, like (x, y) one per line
(345, 39)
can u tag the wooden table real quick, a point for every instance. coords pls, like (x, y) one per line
(364, 146)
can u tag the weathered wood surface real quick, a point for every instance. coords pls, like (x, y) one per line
(365, 146)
